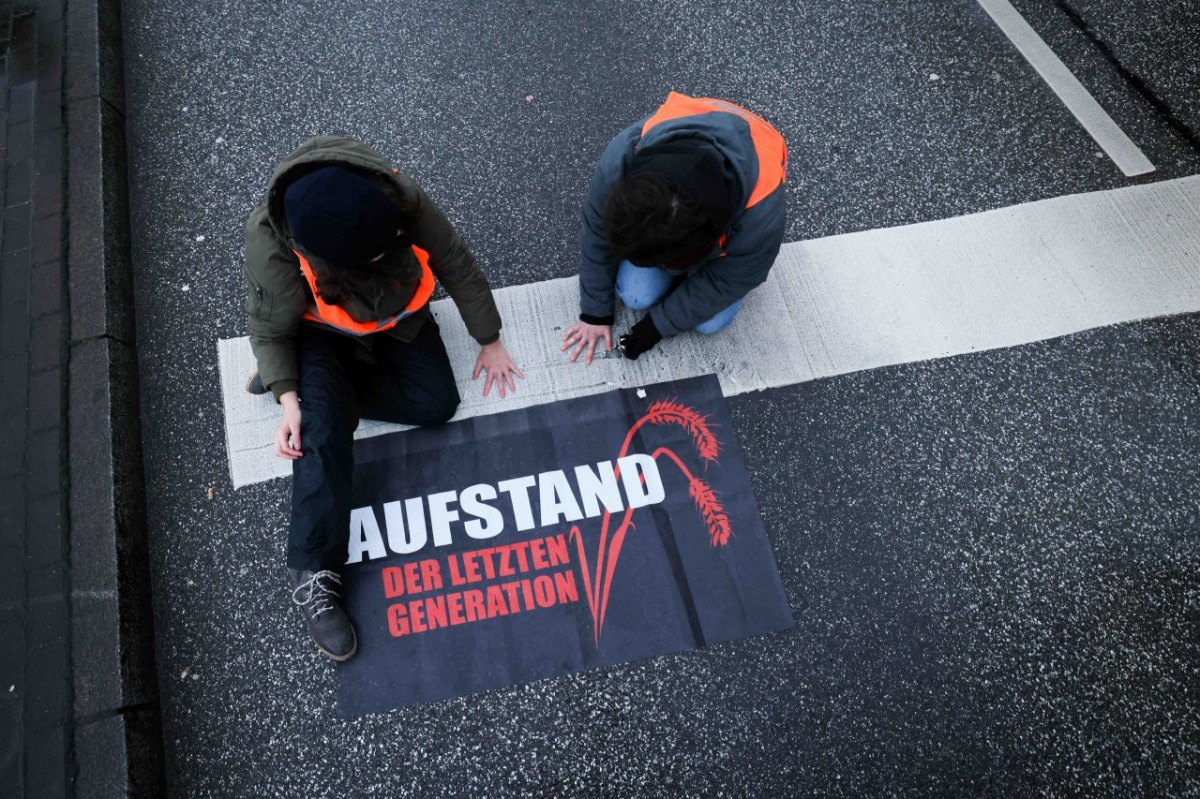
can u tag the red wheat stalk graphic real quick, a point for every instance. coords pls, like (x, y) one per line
(664, 412)
(669, 412)
(705, 499)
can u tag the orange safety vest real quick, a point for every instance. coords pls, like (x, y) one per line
(335, 316)
(768, 142)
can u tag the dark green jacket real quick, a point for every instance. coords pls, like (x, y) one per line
(279, 294)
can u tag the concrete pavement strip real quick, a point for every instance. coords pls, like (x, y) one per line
(840, 304)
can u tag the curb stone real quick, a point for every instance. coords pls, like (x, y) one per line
(118, 743)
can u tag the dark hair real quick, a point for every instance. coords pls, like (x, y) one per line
(648, 223)
(335, 283)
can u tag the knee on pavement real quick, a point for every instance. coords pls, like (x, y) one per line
(718, 322)
(434, 411)
(635, 301)
(641, 287)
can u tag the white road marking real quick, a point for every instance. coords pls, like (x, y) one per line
(840, 304)
(1095, 120)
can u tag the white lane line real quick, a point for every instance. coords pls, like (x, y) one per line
(841, 304)
(1095, 120)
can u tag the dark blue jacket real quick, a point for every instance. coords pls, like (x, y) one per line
(753, 237)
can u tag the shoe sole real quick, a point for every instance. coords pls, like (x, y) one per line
(340, 658)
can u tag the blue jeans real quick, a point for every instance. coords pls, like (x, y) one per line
(641, 287)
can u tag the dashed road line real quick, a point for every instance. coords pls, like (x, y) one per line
(1095, 120)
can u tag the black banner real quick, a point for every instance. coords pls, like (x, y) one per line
(537, 542)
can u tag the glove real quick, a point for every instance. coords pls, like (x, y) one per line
(641, 338)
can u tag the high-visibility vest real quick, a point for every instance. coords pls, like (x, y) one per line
(335, 316)
(768, 142)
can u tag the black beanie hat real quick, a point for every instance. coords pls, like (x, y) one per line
(340, 217)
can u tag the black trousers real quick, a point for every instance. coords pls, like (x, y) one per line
(342, 380)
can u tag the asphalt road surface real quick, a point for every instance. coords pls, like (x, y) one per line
(991, 559)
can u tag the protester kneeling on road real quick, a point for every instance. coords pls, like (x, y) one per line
(685, 216)
(341, 260)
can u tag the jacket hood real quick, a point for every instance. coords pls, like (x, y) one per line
(327, 151)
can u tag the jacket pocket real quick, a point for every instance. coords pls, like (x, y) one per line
(258, 302)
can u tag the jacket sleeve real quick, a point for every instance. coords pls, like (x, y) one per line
(453, 264)
(597, 263)
(275, 302)
(711, 288)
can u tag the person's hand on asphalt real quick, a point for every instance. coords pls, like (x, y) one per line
(287, 435)
(641, 338)
(495, 360)
(584, 336)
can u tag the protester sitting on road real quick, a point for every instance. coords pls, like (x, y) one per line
(341, 260)
(685, 216)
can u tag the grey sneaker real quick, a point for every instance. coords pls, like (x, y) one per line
(317, 595)
(254, 385)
